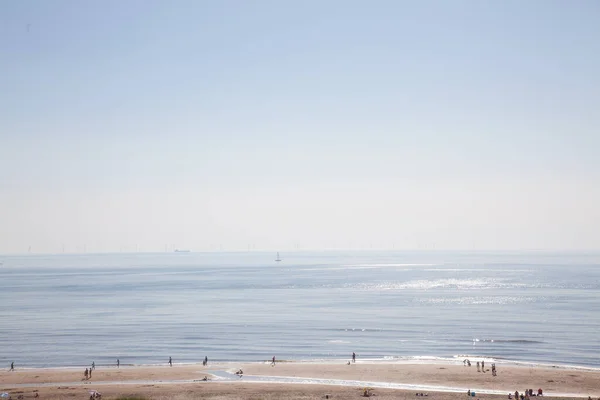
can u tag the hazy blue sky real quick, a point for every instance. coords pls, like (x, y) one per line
(195, 124)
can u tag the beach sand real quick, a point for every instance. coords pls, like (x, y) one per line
(177, 382)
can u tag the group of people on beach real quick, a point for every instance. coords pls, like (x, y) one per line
(19, 397)
(480, 366)
(525, 395)
(88, 371)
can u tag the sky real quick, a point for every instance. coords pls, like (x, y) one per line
(280, 125)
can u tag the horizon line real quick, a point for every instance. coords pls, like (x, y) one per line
(309, 250)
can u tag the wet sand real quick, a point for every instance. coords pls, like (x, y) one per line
(439, 381)
(508, 379)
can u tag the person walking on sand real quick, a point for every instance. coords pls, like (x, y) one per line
(353, 357)
(273, 362)
(85, 374)
(118, 363)
(90, 374)
(478, 370)
(170, 362)
(12, 366)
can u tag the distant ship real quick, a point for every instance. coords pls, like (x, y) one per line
(181, 251)
(278, 259)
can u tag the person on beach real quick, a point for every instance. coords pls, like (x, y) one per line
(482, 366)
(170, 362)
(85, 374)
(205, 363)
(353, 357)
(93, 365)
(12, 366)
(118, 363)
(90, 374)
(493, 369)
(478, 370)
(273, 362)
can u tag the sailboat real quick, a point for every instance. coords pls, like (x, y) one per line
(278, 259)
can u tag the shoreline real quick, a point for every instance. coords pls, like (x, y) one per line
(419, 360)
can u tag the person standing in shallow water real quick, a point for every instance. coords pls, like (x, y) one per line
(205, 363)
(93, 365)
(273, 362)
(353, 357)
(118, 363)
(12, 366)
(170, 362)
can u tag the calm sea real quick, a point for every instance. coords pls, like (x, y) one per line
(68, 310)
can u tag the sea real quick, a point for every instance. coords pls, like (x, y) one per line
(535, 308)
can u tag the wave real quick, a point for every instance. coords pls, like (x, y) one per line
(524, 341)
(479, 300)
(389, 265)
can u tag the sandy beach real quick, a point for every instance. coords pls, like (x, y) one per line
(389, 380)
